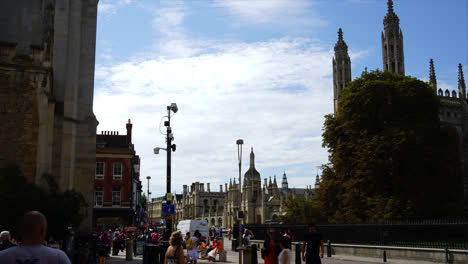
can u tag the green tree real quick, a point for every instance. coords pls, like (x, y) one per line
(17, 196)
(301, 211)
(143, 201)
(390, 155)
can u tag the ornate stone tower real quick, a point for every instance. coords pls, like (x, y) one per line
(392, 43)
(432, 76)
(461, 82)
(284, 183)
(251, 193)
(341, 69)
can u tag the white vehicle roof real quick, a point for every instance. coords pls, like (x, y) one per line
(192, 225)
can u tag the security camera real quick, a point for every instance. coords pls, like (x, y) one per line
(174, 108)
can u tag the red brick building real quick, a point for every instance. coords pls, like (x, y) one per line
(117, 185)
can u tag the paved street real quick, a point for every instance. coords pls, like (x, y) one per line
(233, 257)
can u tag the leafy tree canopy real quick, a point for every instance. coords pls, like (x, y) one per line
(390, 155)
(301, 211)
(17, 196)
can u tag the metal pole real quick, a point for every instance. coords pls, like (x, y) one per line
(147, 201)
(168, 170)
(239, 156)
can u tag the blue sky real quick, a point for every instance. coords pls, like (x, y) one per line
(257, 70)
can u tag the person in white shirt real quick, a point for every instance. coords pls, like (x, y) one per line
(285, 254)
(248, 235)
(32, 250)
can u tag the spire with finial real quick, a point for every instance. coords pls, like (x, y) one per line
(392, 43)
(274, 181)
(341, 44)
(390, 5)
(391, 17)
(284, 182)
(461, 82)
(230, 183)
(432, 76)
(269, 183)
(252, 158)
(317, 181)
(341, 69)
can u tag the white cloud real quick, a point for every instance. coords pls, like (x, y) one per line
(111, 6)
(281, 12)
(272, 93)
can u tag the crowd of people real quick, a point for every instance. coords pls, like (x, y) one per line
(115, 240)
(194, 244)
(181, 250)
(278, 250)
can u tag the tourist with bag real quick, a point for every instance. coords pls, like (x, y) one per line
(175, 252)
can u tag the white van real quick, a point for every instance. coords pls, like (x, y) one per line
(192, 225)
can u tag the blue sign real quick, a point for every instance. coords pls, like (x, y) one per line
(168, 209)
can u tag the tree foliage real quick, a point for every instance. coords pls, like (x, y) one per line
(301, 211)
(17, 196)
(390, 155)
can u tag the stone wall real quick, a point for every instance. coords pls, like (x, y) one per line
(47, 52)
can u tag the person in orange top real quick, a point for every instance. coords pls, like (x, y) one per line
(217, 250)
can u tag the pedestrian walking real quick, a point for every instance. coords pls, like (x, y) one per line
(33, 233)
(5, 240)
(312, 241)
(175, 252)
(193, 251)
(285, 254)
(271, 248)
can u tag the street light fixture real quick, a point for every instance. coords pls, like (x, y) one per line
(169, 149)
(239, 143)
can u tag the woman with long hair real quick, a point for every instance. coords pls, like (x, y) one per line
(175, 252)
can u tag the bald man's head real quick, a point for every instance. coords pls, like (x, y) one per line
(34, 226)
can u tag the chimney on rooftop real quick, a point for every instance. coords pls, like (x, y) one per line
(129, 132)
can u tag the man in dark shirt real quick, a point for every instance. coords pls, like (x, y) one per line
(313, 240)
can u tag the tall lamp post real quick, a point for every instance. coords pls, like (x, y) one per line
(169, 148)
(147, 200)
(150, 213)
(239, 143)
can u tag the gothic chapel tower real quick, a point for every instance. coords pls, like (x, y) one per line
(392, 43)
(341, 69)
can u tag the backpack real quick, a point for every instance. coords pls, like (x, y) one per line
(189, 245)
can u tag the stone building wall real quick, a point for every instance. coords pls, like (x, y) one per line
(25, 82)
(202, 203)
(47, 51)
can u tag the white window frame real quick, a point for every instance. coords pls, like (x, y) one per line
(95, 198)
(99, 176)
(119, 200)
(115, 190)
(114, 175)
